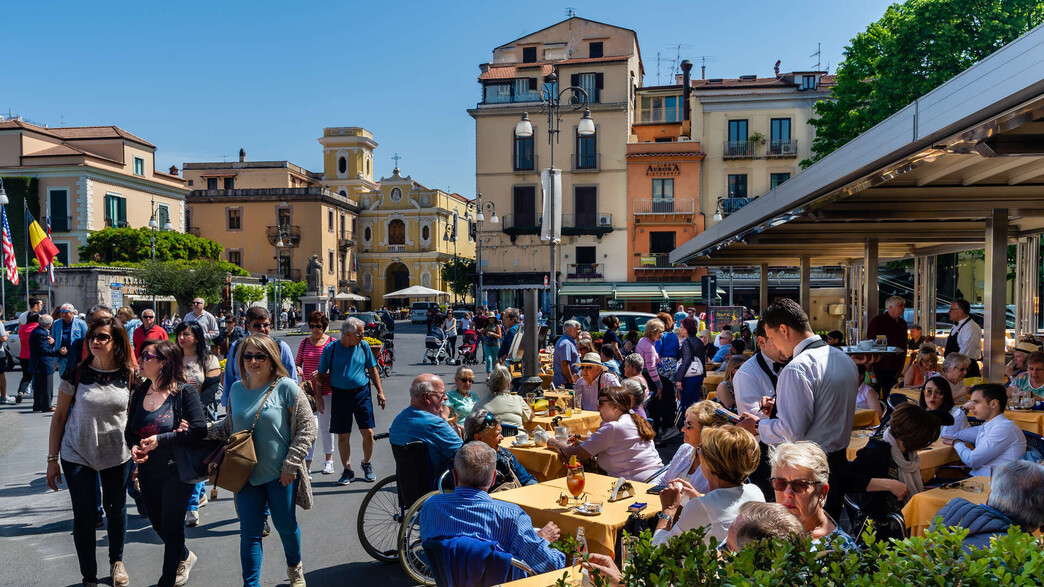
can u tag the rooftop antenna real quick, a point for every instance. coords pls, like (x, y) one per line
(657, 68)
(676, 64)
(818, 55)
(704, 60)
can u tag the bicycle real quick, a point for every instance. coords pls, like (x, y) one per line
(386, 357)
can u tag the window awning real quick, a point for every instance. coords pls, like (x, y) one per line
(634, 291)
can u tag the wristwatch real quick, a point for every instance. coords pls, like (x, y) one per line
(662, 517)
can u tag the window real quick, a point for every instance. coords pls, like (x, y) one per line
(587, 152)
(808, 82)
(497, 93)
(589, 82)
(529, 54)
(229, 183)
(329, 262)
(284, 264)
(235, 219)
(344, 193)
(661, 242)
(738, 185)
(162, 215)
(594, 49)
(344, 231)
(661, 109)
(330, 220)
(523, 157)
(777, 178)
(663, 188)
(342, 165)
(63, 253)
(523, 206)
(397, 232)
(426, 233)
(737, 131)
(211, 183)
(115, 211)
(235, 257)
(190, 182)
(779, 143)
(585, 255)
(59, 212)
(367, 234)
(139, 166)
(283, 216)
(585, 206)
(525, 90)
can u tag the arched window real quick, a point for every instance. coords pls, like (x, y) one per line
(397, 232)
(367, 234)
(344, 193)
(367, 166)
(425, 233)
(342, 165)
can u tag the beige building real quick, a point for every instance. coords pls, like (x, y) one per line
(90, 178)
(252, 206)
(605, 61)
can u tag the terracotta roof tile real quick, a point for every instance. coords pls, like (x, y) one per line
(57, 150)
(96, 132)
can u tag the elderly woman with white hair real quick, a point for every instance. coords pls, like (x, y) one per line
(954, 369)
(509, 408)
(634, 382)
(799, 478)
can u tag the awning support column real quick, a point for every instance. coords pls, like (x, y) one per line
(995, 292)
(871, 286)
(1027, 283)
(763, 293)
(925, 282)
(806, 284)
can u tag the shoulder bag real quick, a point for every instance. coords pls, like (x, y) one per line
(190, 458)
(231, 464)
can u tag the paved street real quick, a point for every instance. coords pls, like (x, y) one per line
(36, 523)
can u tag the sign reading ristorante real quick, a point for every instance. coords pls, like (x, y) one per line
(663, 168)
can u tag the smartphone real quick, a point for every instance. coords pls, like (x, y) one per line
(655, 489)
(728, 415)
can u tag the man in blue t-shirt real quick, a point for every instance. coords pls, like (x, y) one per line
(422, 421)
(510, 326)
(348, 365)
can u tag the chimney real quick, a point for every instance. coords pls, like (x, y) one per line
(242, 155)
(173, 170)
(686, 67)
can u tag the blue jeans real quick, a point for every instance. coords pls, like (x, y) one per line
(197, 494)
(490, 351)
(82, 481)
(251, 502)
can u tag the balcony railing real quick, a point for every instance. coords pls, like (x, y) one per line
(396, 248)
(738, 149)
(587, 161)
(732, 205)
(779, 148)
(345, 240)
(61, 223)
(666, 115)
(593, 223)
(110, 223)
(585, 271)
(291, 238)
(658, 261)
(516, 224)
(665, 206)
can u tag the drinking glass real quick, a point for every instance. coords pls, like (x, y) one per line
(575, 481)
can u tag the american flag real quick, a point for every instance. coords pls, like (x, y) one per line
(9, 255)
(50, 266)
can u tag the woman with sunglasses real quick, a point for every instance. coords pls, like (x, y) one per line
(937, 398)
(157, 408)
(202, 371)
(307, 360)
(284, 431)
(685, 464)
(799, 479)
(461, 400)
(485, 427)
(88, 442)
(728, 455)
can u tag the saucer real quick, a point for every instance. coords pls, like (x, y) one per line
(583, 511)
(527, 444)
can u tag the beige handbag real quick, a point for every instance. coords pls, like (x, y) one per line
(233, 462)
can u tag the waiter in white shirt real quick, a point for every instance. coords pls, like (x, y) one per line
(815, 394)
(965, 336)
(997, 441)
(756, 378)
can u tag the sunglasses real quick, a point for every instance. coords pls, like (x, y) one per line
(147, 356)
(148, 317)
(798, 485)
(465, 380)
(490, 420)
(100, 337)
(315, 325)
(255, 357)
(264, 326)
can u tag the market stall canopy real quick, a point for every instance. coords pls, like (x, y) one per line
(416, 291)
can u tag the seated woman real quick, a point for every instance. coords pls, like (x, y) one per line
(887, 471)
(686, 462)
(511, 409)
(461, 400)
(919, 369)
(799, 479)
(623, 443)
(1031, 382)
(937, 398)
(954, 369)
(724, 393)
(867, 399)
(729, 454)
(594, 378)
(484, 427)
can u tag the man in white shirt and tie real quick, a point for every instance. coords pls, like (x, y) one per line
(756, 378)
(965, 336)
(815, 394)
(997, 441)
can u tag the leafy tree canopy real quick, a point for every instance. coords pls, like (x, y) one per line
(460, 282)
(184, 280)
(288, 290)
(911, 50)
(248, 294)
(135, 245)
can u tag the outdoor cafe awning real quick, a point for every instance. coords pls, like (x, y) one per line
(636, 291)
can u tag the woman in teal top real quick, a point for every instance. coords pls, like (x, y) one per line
(460, 400)
(284, 432)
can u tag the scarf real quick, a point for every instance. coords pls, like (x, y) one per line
(909, 469)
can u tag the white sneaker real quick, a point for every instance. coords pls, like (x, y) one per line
(184, 567)
(328, 468)
(192, 519)
(203, 499)
(296, 575)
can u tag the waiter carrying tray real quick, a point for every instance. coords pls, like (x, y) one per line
(965, 336)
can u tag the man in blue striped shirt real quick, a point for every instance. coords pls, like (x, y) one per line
(470, 511)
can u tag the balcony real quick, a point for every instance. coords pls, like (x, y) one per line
(585, 271)
(664, 207)
(592, 223)
(288, 274)
(110, 223)
(738, 149)
(507, 93)
(586, 161)
(345, 240)
(779, 149)
(396, 248)
(61, 223)
(516, 224)
(293, 235)
(732, 205)
(658, 267)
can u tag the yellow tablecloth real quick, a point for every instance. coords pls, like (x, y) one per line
(1030, 421)
(548, 579)
(913, 394)
(579, 423)
(542, 462)
(921, 508)
(866, 419)
(539, 501)
(933, 457)
(712, 380)
(556, 395)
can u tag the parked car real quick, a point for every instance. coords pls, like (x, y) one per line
(13, 345)
(628, 320)
(419, 311)
(375, 327)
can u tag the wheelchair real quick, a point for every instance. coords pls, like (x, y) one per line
(388, 522)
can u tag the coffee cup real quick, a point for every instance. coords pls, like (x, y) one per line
(866, 345)
(522, 437)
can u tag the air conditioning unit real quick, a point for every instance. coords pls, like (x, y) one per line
(683, 139)
(605, 220)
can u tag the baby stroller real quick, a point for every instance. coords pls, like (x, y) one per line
(469, 348)
(436, 344)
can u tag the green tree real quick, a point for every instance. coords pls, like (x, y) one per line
(134, 245)
(248, 294)
(460, 282)
(288, 290)
(184, 280)
(20, 189)
(911, 50)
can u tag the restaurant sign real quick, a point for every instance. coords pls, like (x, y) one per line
(663, 168)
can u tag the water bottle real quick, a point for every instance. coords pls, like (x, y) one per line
(581, 546)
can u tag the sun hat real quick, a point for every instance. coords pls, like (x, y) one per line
(592, 360)
(1027, 347)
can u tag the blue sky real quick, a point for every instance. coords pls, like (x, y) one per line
(202, 79)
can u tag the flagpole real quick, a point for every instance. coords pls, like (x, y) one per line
(25, 223)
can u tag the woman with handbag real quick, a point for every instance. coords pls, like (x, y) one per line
(87, 438)
(202, 371)
(307, 361)
(688, 379)
(157, 444)
(269, 412)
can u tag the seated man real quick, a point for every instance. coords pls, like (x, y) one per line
(835, 338)
(997, 441)
(759, 521)
(470, 511)
(422, 421)
(1016, 499)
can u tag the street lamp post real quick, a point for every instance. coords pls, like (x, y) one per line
(153, 226)
(551, 105)
(283, 232)
(479, 206)
(451, 235)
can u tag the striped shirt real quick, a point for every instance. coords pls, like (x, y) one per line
(473, 513)
(308, 359)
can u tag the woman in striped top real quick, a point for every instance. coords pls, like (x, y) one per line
(308, 354)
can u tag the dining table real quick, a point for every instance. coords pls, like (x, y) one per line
(579, 422)
(866, 419)
(922, 507)
(573, 578)
(712, 379)
(1028, 420)
(932, 458)
(541, 462)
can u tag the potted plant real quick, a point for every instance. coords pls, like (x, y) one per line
(757, 138)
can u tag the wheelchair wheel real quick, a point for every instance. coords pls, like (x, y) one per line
(412, 557)
(379, 520)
